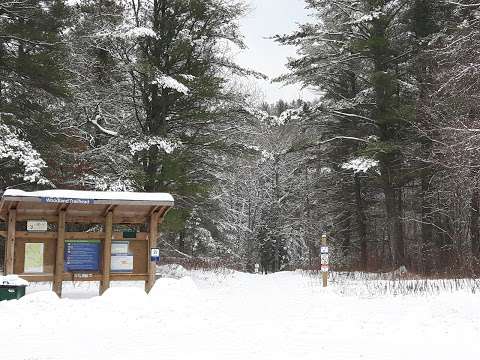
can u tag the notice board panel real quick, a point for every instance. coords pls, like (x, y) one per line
(82, 255)
(122, 257)
(129, 256)
(139, 249)
(49, 249)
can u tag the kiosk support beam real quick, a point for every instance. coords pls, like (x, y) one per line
(107, 253)
(10, 245)
(152, 242)
(59, 266)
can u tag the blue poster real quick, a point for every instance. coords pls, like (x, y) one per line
(82, 255)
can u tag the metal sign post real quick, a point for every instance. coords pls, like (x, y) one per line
(324, 260)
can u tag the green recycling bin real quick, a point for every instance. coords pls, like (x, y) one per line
(11, 292)
(12, 287)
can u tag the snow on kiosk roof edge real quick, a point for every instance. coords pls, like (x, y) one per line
(98, 197)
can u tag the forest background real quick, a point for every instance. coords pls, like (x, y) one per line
(143, 95)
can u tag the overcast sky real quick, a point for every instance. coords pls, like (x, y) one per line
(267, 18)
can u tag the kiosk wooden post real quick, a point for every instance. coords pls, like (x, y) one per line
(58, 276)
(107, 253)
(152, 242)
(10, 245)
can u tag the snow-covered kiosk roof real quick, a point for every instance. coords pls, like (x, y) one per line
(84, 206)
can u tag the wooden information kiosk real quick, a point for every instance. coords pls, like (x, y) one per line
(40, 247)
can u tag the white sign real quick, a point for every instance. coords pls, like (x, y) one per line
(120, 247)
(37, 225)
(122, 263)
(82, 276)
(324, 250)
(324, 268)
(324, 259)
(257, 268)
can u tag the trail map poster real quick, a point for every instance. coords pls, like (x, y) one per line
(33, 258)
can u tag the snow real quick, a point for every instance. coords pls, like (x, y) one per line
(132, 33)
(187, 77)
(267, 156)
(230, 315)
(88, 195)
(141, 145)
(13, 280)
(289, 115)
(168, 82)
(360, 164)
(12, 147)
(177, 292)
(366, 17)
(109, 183)
(140, 32)
(101, 128)
(173, 271)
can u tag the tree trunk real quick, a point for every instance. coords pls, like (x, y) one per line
(383, 84)
(181, 242)
(394, 222)
(362, 224)
(427, 226)
(344, 224)
(346, 243)
(151, 166)
(474, 217)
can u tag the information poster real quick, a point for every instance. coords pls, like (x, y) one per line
(120, 247)
(82, 255)
(122, 263)
(33, 258)
(122, 259)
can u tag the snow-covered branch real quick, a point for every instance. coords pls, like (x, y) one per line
(101, 128)
(21, 151)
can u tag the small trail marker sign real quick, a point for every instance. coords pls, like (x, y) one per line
(324, 259)
(155, 254)
(324, 250)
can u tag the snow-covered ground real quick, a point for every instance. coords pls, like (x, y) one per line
(230, 315)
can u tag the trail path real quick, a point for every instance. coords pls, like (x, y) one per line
(238, 317)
